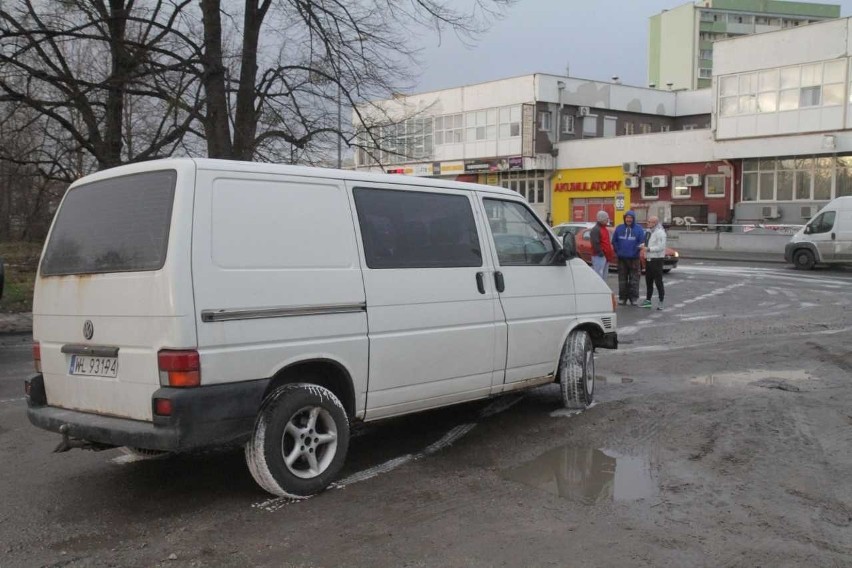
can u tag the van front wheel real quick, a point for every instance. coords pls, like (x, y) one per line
(577, 370)
(299, 442)
(803, 259)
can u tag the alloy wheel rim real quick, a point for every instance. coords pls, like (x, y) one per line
(309, 442)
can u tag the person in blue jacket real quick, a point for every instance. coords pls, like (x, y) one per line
(627, 241)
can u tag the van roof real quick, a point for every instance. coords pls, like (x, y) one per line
(269, 168)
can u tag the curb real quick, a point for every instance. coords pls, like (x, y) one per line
(729, 257)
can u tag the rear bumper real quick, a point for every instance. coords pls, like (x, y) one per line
(204, 416)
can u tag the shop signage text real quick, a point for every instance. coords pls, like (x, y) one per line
(588, 186)
(495, 165)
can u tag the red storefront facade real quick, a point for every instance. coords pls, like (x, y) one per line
(682, 194)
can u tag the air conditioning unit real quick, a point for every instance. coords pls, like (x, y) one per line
(809, 211)
(693, 180)
(630, 168)
(659, 181)
(583, 111)
(771, 212)
(631, 181)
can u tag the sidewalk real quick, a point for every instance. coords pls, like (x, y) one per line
(16, 323)
(730, 256)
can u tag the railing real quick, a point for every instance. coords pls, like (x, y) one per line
(757, 228)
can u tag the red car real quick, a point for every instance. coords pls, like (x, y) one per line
(584, 251)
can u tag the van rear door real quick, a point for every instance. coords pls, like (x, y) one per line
(114, 287)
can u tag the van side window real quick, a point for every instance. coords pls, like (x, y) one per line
(823, 223)
(519, 237)
(411, 229)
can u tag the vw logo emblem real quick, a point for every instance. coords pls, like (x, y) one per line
(88, 329)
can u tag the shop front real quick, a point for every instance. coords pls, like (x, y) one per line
(687, 193)
(578, 194)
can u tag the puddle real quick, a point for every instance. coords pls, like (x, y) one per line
(588, 475)
(747, 377)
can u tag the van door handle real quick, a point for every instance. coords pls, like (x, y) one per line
(833, 236)
(499, 282)
(480, 282)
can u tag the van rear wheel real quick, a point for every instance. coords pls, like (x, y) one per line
(577, 370)
(299, 441)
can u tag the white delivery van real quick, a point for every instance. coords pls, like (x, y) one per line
(188, 303)
(826, 239)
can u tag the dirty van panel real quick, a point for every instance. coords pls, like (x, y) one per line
(111, 278)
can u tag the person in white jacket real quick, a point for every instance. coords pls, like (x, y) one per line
(655, 252)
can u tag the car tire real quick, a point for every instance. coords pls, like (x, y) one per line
(577, 370)
(803, 259)
(305, 425)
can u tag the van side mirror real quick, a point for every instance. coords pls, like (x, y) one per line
(569, 246)
(808, 229)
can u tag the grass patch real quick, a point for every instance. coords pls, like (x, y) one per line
(20, 261)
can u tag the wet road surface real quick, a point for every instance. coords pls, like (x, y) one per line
(721, 436)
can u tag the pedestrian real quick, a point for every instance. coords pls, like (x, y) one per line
(627, 242)
(602, 253)
(654, 255)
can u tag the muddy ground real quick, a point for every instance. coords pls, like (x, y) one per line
(721, 436)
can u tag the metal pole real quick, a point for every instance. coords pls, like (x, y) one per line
(339, 118)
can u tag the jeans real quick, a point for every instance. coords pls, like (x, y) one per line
(629, 274)
(601, 266)
(654, 275)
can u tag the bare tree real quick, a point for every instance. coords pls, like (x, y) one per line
(79, 64)
(298, 62)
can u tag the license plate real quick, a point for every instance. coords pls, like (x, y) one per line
(94, 366)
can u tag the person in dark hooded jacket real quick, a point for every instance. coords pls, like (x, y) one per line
(627, 242)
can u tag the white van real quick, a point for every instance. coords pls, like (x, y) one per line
(826, 239)
(187, 303)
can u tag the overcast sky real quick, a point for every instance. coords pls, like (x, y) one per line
(597, 38)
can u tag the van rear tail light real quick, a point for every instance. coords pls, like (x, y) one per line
(37, 356)
(179, 368)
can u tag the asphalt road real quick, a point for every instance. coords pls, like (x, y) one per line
(721, 436)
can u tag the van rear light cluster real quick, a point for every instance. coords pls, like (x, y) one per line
(37, 356)
(179, 368)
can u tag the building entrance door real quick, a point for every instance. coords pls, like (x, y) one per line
(586, 210)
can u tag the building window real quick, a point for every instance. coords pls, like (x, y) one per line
(784, 89)
(530, 184)
(481, 125)
(644, 128)
(545, 119)
(705, 54)
(705, 73)
(567, 124)
(510, 122)
(648, 190)
(799, 178)
(679, 188)
(628, 128)
(610, 123)
(665, 128)
(448, 129)
(714, 186)
(689, 127)
(590, 125)
(707, 16)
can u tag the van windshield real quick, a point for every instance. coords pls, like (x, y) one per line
(115, 225)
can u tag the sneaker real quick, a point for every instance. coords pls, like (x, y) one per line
(646, 304)
(623, 302)
(633, 303)
(660, 307)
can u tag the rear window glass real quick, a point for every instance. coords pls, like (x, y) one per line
(115, 225)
